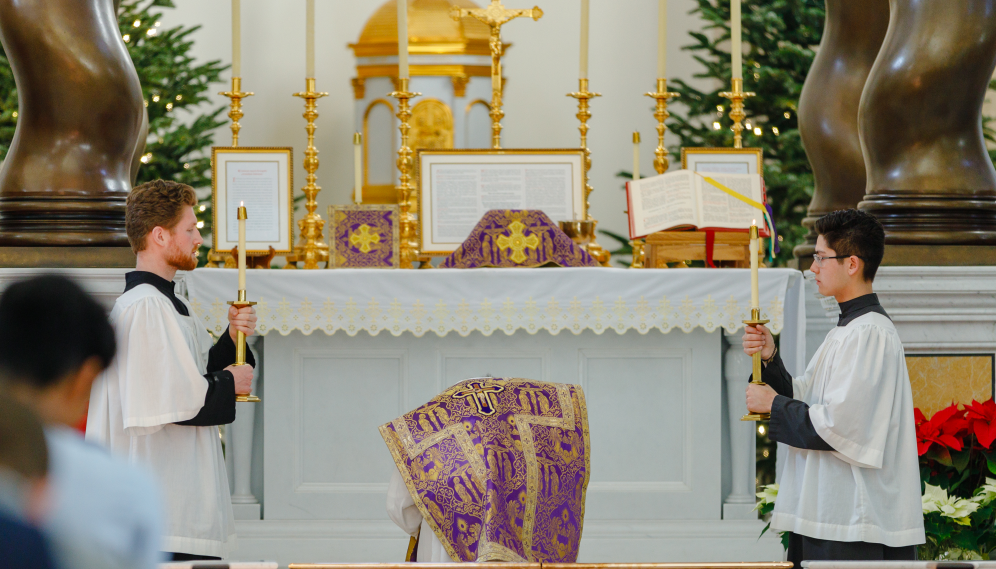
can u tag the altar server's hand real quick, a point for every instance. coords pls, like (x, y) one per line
(758, 338)
(759, 398)
(241, 320)
(243, 378)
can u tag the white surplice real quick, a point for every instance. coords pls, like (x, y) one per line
(157, 379)
(403, 512)
(860, 402)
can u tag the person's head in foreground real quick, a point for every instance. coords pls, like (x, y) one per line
(55, 339)
(849, 250)
(162, 226)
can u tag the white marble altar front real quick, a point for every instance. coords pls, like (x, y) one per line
(346, 351)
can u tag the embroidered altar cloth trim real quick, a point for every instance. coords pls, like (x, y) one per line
(487, 300)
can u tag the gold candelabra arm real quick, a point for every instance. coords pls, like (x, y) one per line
(311, 248)
(408, 251)
(661, 95)
(737, 114)
(236, 94)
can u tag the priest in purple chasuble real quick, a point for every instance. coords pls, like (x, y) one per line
(492, 470)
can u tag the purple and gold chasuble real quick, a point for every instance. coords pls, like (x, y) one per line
(498, 468)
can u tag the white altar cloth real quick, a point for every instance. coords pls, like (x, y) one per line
(486, 300)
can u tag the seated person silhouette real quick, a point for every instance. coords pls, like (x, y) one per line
(491, 470)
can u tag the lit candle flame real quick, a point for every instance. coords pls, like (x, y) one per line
(753, 222)
(242, 204)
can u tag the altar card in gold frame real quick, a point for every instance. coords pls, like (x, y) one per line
(457, 187)
(262, 178)
(363, 236)
(723, 160)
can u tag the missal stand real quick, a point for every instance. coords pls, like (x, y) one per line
(716, 249)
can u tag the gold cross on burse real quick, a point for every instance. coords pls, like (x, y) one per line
(495, 16)
(362, 238)
(517, 241)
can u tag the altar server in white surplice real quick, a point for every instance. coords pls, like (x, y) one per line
(850, 488)
(161, 400)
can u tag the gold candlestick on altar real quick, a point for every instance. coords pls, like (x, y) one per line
(407, 194)
(583, 95)
(495, 16)
(235, 112)
(755, 320)
(737, 114)
(240, 337)
(661, 95)
(311, 248)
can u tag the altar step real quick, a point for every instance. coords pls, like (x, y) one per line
(322, 541)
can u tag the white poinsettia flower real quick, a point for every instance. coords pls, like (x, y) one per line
(767, 495)
(936, 499)
(986, 493)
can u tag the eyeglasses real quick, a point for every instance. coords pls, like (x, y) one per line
(819, 260)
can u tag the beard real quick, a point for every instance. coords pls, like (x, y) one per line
(180, 260)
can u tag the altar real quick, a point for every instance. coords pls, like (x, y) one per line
(656, 351)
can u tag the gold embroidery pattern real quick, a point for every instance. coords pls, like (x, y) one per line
(509, 486)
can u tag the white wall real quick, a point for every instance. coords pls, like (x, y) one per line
(541, 68)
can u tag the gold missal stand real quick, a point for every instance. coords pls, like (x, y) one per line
(240, 347)
(755, 319)
(731, 249)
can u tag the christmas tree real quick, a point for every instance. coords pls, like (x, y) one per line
(178, 147)
(782, 37)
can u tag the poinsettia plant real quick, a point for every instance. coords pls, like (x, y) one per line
(957, 450)
(957, 453)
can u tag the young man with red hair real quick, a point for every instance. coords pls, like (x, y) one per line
(161, 400)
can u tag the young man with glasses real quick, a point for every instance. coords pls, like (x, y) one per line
(850, 486)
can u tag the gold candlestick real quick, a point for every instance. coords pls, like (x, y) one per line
(661, 95)
(583, 95)
(755, 319)
(311, 248)
(737, 114)
(235, 113)
(495, 16)
(240, 346)
(407, 194)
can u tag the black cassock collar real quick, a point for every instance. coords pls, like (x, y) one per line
(859, 307)
(135, 278)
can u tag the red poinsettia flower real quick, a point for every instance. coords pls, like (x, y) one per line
(943, 429)
(982, 421)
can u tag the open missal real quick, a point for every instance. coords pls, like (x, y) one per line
(684, 199)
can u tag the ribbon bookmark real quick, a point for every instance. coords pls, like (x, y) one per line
(765, 218)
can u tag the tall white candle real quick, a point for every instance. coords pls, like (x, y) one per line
(583, 72)
(636, 155)
(242, 245)
(358, 166)
(403, 39)
(662, 39)
(735, 39)
(754, 301)
(236, 38)
(309, 39)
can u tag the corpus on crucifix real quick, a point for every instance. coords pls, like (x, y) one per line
(495, 16)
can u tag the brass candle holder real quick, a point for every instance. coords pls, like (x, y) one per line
(755, 319)
(407, 194)
(311, 248)
(737, 114)
(240, 345)
(235, 112)
(583, 95)
(661, 95)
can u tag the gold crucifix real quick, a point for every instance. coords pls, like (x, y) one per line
(495, 16)
(517, 241)
(362, 238)
(482, 395)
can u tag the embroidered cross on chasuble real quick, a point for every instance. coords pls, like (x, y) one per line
(517, 238)
(498, 468)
